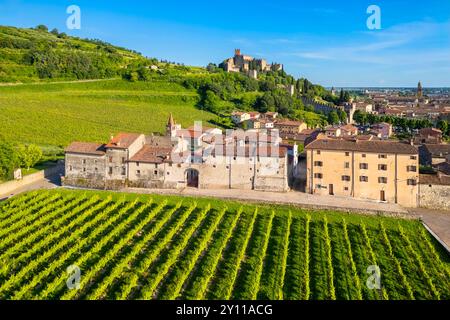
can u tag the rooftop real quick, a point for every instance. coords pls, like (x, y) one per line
(370, 146)
(86, 148)
(152, 154)
(123, 140)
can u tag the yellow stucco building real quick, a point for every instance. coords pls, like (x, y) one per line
(382, 171)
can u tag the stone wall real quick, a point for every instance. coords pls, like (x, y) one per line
(8, 187)
(434, 196)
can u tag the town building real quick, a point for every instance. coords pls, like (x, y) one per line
(429, 136)
(382, 171)
(198, 158)
(287, 127)
(382, 130)
(433, 154)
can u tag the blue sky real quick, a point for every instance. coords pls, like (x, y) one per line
(326, 41)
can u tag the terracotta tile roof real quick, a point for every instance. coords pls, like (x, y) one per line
(437, 150)
(373, 146)
(248, 151)
(430, 131)
(152, 154)
(289, 123)
(123, 140)
(86, 148)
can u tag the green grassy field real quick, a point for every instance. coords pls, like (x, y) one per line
(158, 247)
(54, 115)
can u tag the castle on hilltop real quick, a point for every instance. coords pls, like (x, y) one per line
(248, 64)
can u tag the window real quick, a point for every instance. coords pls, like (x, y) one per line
(110, 171)
(84, 161)
(110, 159)
(413, 158)
(234, 158)
(70, 168)
(363, 155)
(347, 165)
(170, 164)
(96, 169)
(155, 172)
(412, 182)
(84, 169)
(123, 160)
(138, 172)
(346, 178)
(137, 164)
(364, 179)
(318, 176)
(382, 156)
(95, 161)
(156, 166)
(318, 152)
(214, 165)
(364, 166)
(382, 167)
(318, 186)
(412, 169)
(124, 171)
(347, 154)
(168, 173)
(318, 164)
(345, 188)
(228, 167)
(383, 180)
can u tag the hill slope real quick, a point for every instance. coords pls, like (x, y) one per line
(36, 54)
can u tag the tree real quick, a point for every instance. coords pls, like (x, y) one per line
(342, 116)
(42, 27)
(9, 160)
(360, 117)
(443, 126)
(29, 155)
(333, 118)
(55, 32)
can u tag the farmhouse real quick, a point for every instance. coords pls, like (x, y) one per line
(183, 158)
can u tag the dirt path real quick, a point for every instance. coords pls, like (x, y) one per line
(54, 82)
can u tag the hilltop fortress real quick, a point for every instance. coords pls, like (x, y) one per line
(248, 64)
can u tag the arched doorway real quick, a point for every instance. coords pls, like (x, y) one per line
(192, 178)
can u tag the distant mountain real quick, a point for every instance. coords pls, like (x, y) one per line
(28, 55)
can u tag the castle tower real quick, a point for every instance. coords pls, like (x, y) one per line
(419, 91)
(237, 52)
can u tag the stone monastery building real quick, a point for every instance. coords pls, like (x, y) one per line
(195, 157)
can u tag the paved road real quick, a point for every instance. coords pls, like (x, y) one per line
(45, 183)
(292, 198)
(438, 221)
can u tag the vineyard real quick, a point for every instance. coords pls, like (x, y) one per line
(159, 247)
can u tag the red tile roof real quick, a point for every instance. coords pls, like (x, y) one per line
(86, 148)
(123, 140)
(374, 146)
(151, 154)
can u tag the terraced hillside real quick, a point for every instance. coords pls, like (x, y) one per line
(157, 247)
